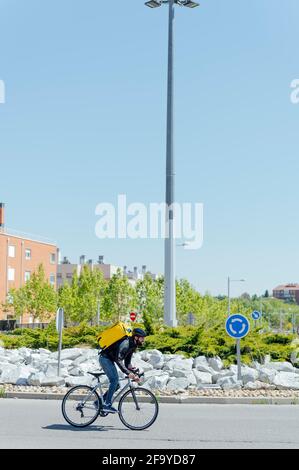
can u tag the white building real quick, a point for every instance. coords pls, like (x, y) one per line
(66, 270)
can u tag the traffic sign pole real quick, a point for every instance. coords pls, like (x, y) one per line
(239, 359)
(59, 327)
(256, 315)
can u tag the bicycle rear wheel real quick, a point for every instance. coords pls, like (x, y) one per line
(81, 406)
(138, 408)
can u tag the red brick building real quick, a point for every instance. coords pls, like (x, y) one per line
(287, 292)
(20, 256)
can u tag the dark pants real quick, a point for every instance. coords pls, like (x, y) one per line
(110, 370)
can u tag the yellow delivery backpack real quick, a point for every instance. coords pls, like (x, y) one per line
(113, 334)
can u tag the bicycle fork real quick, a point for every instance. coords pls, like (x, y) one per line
(135, 399)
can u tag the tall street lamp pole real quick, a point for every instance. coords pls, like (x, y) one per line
(229, 280)
(169, 266)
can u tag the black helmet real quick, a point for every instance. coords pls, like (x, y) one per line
(138, 332)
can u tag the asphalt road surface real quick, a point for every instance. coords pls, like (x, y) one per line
(39, 424)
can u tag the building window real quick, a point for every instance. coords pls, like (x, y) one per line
(27, 254)
(27, 276)
(11, 251)
(52, 279)
(11, 274)
(53, 258)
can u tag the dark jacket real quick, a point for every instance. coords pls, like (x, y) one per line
(121, 351)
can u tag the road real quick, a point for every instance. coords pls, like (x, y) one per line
(38, 424)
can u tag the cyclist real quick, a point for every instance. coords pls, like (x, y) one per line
(119, 353)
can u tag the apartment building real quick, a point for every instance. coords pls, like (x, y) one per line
(135, 275)
(20, 256)
(66, 269)
(287, 292)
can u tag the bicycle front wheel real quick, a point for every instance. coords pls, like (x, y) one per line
(81, 406)
(138, 408)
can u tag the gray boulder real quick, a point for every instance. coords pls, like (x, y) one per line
(216, 363)
(44, 351)
(15, 358)
(157, 361)
(249, 375)
(267, 375)
(51, 371)
(223, 373)
(3, 363)
(230, 383)
(177, 384)
(181, 364)
(257, 385)
(168, 357)
(52, 381)
(25, 353)
(70, 353)
(201, 364)
(153, 372)
(156, 382)
(185, 374)
(281, 366)
(286, 380)
(256, 365)
(84, 380)
(266, 359)
(202, 377)
(36, 378)
(75, 371)
(142, 365)
(15, 375)
(89, 366)
(39, 361)
(79, 360)
(64, 363)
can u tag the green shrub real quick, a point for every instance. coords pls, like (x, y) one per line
(277, 338)
(189, 340)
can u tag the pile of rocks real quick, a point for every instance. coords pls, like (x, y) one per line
(165, 372)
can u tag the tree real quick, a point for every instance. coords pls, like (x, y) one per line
(36, 298)
(266, 293)
(150, 297)
(119, 298)
(79, 300)
(17, 302)
(188, 300)
(245, 296)
(67, 296)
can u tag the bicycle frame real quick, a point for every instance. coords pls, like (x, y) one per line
(122, 390)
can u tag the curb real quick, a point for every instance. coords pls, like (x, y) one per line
(179, 400)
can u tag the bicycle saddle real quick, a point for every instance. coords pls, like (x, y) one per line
(96, 374)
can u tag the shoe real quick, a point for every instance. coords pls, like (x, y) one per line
(109, 409)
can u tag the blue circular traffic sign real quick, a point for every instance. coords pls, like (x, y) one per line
(256, 315)
(237, 326)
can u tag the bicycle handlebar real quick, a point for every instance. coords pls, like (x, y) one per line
(136, 372)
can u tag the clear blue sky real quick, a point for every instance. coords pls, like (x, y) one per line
(84, 121)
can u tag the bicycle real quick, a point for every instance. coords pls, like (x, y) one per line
(137, 408)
